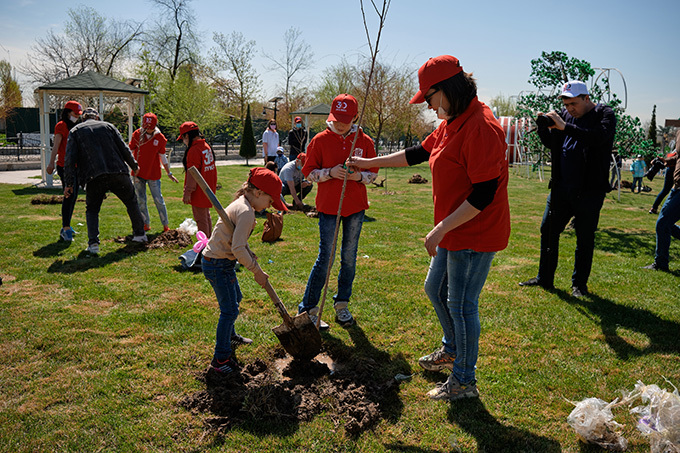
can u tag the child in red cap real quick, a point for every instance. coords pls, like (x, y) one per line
(229, 243)
(199, 155)
(326, 155)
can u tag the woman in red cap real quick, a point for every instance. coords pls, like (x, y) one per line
(69, 117)
(199, 155)
(467, 157)
(228, 243)
(148, 147)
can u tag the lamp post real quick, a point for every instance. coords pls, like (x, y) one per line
(275, 100)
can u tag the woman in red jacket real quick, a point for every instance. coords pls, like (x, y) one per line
(199, 155)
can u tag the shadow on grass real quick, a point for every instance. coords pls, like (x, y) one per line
(662, 333)
(85, 260)
(53, 249)
(626, 243)
(471, 415)
(412, 448)
(38, 191)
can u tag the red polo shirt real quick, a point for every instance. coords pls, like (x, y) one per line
(201, 157)
(469, 150)
(328, 149)
(147, 153)
(62, 129)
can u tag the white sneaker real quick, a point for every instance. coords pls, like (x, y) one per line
(314, 315)
(342, 314)
(93, 249)
(141, 238)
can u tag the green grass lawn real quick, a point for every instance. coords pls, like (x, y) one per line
(97, 353)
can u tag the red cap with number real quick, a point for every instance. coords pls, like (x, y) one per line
(344, 109)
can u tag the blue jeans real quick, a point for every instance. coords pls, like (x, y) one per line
(155, 188)
(667, 186)
(585, 208)
(351, 230)
(666, 227)
(636, 180)
(121, 186)
(222, 277)
(453, 285)
(69, 203)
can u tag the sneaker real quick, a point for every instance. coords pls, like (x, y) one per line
(578, 292)
(536, 282)
(437, 361)
(93, 249)
(655, 267)
(653, 211)
(66, 235)
(227, 366)
(239, 340)
(147, 227)
(452, 390)
(141, 238)
(314, 315)
(342, 314)
(166, 228)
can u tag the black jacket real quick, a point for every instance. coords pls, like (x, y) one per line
(96, 148)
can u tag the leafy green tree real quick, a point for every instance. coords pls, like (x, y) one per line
(651, 135)
(503, 105)
(10, 93)
(248, 148)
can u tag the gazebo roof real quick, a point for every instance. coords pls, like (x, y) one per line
(320, 109)
(92, 82)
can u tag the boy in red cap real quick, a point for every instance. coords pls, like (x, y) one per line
(326, 156)
(229, 243)
(148, 147)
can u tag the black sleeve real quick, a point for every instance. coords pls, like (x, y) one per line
(483, 193)
(416, 155)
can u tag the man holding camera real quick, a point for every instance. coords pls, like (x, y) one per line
(668, 217)
(580, 138)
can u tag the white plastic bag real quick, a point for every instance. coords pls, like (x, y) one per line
(659, 417)
(594, 423)
(188, 226)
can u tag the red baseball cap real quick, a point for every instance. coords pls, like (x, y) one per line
(434, 71)
(149, 121)
(302, 157)
(187, 126)
(74, 106)
(298, 119)
(344, 108)
(269, 183)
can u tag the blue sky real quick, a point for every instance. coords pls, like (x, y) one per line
(494, 39)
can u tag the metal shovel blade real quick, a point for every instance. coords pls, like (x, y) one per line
(301, 340)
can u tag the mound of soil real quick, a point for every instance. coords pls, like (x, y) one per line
(310, 211)
(351, 395)
(171, 238)
(47, 199)
(417, 179)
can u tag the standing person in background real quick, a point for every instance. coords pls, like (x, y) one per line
(297, 139)
(69, 118)
(199, 155)
(467, 157)
(280, 159)
(96, 150)
(667, 178)
(148, 148)
(638, 169)
(270, 142)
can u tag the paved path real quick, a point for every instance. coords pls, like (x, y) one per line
(32, 177)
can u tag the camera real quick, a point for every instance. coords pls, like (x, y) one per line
(657, 165)
(544, 121)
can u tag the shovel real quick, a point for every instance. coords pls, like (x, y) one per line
(298, 336)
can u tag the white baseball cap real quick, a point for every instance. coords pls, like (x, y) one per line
(573, 88)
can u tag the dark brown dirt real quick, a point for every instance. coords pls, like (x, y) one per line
(353, 395)
(171, 238)
(417, 179)
(51, 199)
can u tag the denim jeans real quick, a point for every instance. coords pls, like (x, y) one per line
(222, 277)
(585, 207)
(666, 227)
(121, 186)
(69, 203)
(351, 230)
(667, 186)
(636, 180)
(155, 188)
(453, 285)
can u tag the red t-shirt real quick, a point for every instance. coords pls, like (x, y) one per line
(328, 149)
(470, 150)
(201, 157)
(62, 129)
(148, 153)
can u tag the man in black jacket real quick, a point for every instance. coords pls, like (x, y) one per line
(297, 139)
(103, 161)
(580, 138)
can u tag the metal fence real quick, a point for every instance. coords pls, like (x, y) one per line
(19, 153)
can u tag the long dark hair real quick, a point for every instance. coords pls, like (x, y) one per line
(193, 135)
(460, 90)
(66, 118)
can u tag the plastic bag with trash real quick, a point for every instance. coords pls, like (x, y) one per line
(188, 226)
(659, 417)
(594, 423)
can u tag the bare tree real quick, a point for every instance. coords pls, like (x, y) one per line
(173, 42)
(90, 42)
(336, 80)
(234, 54)
(295, 58)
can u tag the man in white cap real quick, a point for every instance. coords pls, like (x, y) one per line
(580, 138)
